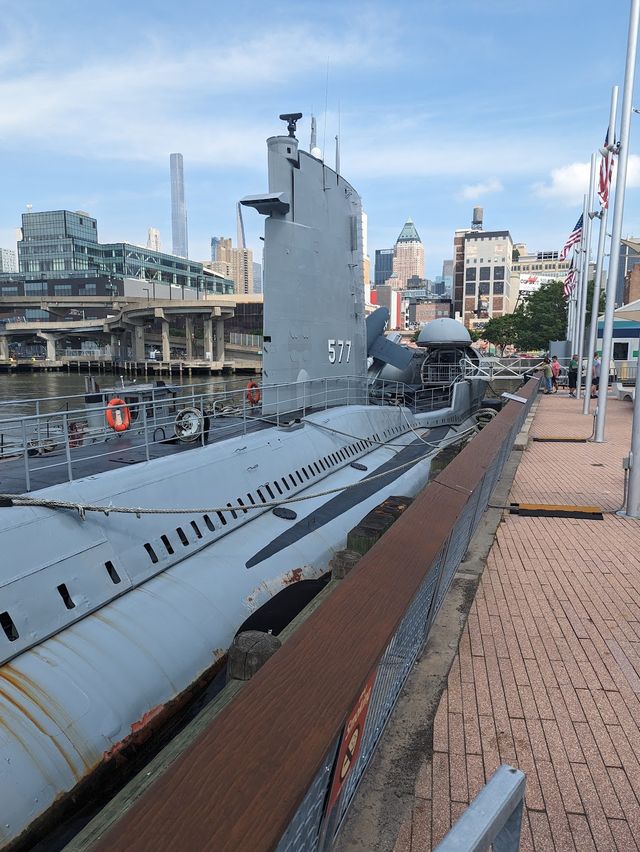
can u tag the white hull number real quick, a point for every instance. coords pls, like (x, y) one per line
(339, 351)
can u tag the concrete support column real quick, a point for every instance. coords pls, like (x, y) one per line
(166, 351)
(188, 333)
(4, 347)
(208, 339)
(51, 346)
(138, 343)
(116, 346)
(219, 353)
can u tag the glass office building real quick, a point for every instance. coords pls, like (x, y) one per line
(61, 244)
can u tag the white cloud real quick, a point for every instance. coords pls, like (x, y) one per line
(475, 191)
(568, 184)
(143, 104)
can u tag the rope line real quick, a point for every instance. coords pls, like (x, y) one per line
(7, 500)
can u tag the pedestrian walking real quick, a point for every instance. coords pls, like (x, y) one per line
(555, 369)
(573, 375)
(595, 378)
(548, 375)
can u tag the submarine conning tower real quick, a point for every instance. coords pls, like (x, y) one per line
(314, 325)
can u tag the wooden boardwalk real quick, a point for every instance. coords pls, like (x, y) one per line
(547, 675)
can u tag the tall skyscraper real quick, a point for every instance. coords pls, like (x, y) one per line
(383, 266)
(178, 207)
(153, 239)
(408, 259)
(234, 263)
(215, 242)
(8, 261)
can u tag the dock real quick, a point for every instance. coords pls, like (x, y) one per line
(546, 676)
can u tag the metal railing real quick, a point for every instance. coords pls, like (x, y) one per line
(315, 712)
(61, 443)
(494, 818)
(240, 339)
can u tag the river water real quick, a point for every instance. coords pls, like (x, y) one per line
(29, 386)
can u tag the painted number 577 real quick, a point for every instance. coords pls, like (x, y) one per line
(339, 351)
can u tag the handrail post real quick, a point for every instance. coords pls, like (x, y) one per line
(146, 431)
(25, 453)
(67, 447)
(38, 422)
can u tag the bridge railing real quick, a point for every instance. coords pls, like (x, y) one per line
(279, 766)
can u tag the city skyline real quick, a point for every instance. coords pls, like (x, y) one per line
(426, 131)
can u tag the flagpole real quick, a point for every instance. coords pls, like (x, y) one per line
(582, 302)
(575, 294)
(616, 233)
(602, 237)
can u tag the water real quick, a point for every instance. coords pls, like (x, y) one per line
(23, 386)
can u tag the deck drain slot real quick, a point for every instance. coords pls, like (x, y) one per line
(552, 439)
(545, 510)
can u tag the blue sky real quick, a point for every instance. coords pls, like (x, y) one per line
(442, 104)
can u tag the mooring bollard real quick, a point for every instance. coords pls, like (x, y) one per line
(249, 652)
(342, 562)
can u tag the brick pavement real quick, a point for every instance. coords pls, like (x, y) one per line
(547, 675)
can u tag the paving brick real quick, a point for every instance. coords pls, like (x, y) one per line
(593, 808)
(541, 832)
(441, 814)
(581, 832)
(403, 842)
(475, 775)
(441, 725)
(562, 768)
(622, 835)
(421, 826)
(627, 797)
(470, 720)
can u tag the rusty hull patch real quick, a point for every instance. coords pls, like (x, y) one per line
(103, 779)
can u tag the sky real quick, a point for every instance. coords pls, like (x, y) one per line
(440, 105)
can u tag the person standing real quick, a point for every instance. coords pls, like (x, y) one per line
(555, 369)
(548, 375)
(595, 379)
(573, 375)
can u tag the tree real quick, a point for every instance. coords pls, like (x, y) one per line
(473, 334)
(590, 286)
(503, 331)
(542, 317)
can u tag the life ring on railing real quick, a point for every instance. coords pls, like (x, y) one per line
(253, 393)
(118, 416)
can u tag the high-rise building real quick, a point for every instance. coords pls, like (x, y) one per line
(234, 263)
(383, 266)
(257, 277)
(215, 242)
(447, 275)
(408, 258)
(153, 240)
(487, 276)
(178, 207)
(8, 261)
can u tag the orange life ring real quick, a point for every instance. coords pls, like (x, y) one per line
(253, 393)
(118, 416)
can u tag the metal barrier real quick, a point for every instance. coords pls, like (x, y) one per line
(60, 441)
(278, 768)
(494, 818)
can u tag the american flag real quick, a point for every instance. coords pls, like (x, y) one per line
(570, 281)
(606, 171)
(574, 237)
